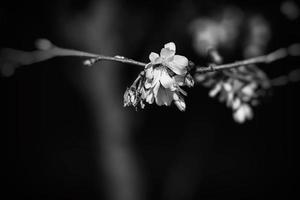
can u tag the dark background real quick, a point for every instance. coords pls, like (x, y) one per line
(48, 134)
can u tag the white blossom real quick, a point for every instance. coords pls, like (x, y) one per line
(161, 80)
(239, 88)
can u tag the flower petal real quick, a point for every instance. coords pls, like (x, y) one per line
(164, 97)
(171, 46)
(150, 98)
(179, 102)
(153, 57)
(166, 80)
(166, 53)
(213, 92)
(239, 115)
(227, 87)
(249, 89)
(180, 105)
(157, 74)
(148, 84)
(149, 73)
(243, 113)
(180, 80)
(178, 65)
(236, 104)
(155, 89)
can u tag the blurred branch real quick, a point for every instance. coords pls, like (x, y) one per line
(293, 50)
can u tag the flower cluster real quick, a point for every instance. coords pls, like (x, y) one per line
(240, 88)
(161, 80)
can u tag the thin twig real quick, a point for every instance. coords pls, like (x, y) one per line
(10, 59)
(116, 58)
(42, 54)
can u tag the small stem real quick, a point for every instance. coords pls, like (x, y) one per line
(117, 58)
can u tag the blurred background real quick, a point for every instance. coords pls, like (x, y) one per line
(65, 133)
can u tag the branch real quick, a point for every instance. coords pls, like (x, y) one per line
(293, 50)
(10, 59)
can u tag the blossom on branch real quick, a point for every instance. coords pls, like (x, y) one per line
(161, 80)
(240, 88)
